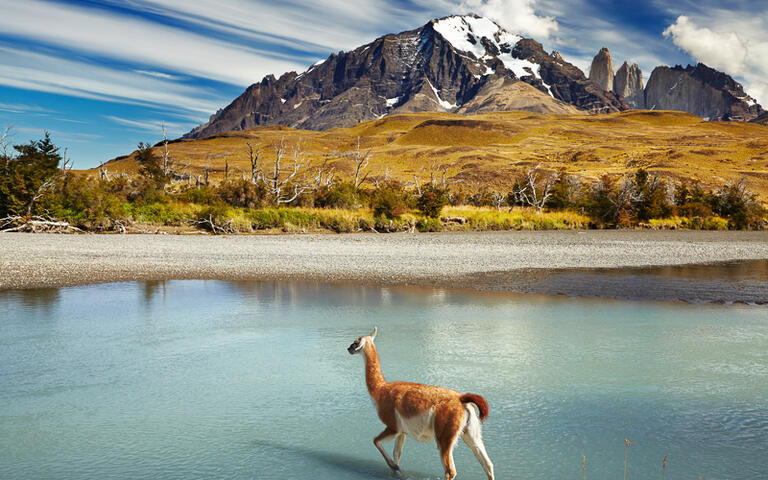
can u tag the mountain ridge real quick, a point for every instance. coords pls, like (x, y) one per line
(439, 66)
(469, 64)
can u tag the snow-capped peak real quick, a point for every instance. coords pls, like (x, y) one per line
(466, 33)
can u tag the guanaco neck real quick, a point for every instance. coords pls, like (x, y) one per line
(374, 379)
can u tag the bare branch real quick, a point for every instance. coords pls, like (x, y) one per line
(362, 159)
(281, 176)
(253, 158)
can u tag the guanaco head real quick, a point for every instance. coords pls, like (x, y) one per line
(359, 344)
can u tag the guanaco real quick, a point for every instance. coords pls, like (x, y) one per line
(422, 412)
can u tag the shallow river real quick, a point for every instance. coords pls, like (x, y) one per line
(193, 379)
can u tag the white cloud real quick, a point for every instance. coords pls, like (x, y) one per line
(312, 25)
(130, 39)
(154, 126)
(721, 50)
(34, 71)
(22, 108)
(739, 48)
(517, 16)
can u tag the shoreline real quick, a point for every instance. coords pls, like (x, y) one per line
(620, 264)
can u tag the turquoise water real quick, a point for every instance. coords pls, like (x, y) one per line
(193, 379)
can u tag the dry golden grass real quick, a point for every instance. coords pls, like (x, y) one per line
(486, 151)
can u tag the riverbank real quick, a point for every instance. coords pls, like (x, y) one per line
(576, 263)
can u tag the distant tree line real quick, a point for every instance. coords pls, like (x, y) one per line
(35, 182)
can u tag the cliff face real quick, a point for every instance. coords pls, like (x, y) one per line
(565, 81)
(601, 70)
(628, 82)
(700, 90)
(440, 66)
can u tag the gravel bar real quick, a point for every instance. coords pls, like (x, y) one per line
(512, 261)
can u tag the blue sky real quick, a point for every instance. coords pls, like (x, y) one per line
(102, 75)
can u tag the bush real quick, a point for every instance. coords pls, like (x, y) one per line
(389, 201)
(650, 196)
(429, 224)
(25, 175)
(85, 203)
(738, 204)
(432, 201)
(243, 193)
(340, 195)
(200, 195)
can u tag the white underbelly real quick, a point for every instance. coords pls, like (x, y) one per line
(420, 427)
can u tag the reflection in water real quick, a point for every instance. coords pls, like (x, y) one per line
(44, 299)
(205, 379)
(728, 282)
(151, 288)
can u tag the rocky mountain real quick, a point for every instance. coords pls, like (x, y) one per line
(762, 119)
(458, 63)
(700, 90)
(628, 82)
(601, 70)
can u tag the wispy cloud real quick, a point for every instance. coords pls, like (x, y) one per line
(21, 108)
(316, 26)
(35, 71)
(164, 76)
(78, 137)
(143, 42)
(154, 126)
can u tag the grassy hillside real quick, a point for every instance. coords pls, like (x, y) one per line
(487, 151)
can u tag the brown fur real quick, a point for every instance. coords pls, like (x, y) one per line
(482, 405)
(411, 399)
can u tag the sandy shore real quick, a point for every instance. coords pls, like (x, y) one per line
(592, 263)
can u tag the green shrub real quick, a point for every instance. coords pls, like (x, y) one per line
(389, 201)
(243, 193)
(26, 174)
(432, 201)
(340, 195)
(429, 224)
(85, 203)
(158, 213)
(200, 195)
(715, 223)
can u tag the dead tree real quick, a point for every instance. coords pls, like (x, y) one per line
(323, 174)
(534, 190)
(498, 199)
(282, 178)
(362, 159)
(166, 156)
(35, 224)
(253, 158)
(5, 142)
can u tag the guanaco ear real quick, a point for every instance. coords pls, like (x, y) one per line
(373, 335)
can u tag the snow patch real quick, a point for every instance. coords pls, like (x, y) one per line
(282, 100)
(518, 66)
(465, 33)
(391, 102)
(443, 103)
